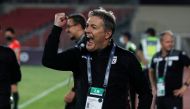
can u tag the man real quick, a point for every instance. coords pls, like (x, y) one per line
(75, 28)
(14, 44)
(166, 74)
(148, 47)
(9, 74)
(104, 70)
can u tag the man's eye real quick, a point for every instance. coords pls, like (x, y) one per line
(93, 27)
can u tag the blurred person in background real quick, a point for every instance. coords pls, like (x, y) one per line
(125, 39)
(14, 44)
(74, 26)
(166, 74)
(10, 74)
(149, 45)
(104, 69)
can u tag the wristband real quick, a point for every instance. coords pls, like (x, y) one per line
(186, 84)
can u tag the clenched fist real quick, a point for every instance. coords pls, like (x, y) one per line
(60, 19)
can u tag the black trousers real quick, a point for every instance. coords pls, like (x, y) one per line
(5, 102)
(169, 102)
(132, 98)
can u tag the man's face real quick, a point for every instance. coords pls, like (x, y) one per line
(125, 39)
(8, 35)
(96, 32)
(71, 29)
(167, 42)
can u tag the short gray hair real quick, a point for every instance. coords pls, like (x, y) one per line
(107, 16)
(168, 32)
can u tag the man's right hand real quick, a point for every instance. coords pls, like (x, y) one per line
(60, 19)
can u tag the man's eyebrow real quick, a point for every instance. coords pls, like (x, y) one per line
(93, 25)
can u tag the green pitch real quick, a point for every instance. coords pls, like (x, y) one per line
(43, 88)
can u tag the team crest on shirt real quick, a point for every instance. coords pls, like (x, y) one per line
(170, 63)
(84, 57)
(114, 60)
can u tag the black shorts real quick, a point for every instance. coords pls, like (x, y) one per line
(169, 102)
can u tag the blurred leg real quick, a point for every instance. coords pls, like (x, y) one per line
(15, 95)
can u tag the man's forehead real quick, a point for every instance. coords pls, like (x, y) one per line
(167, 36)
(70, 21)
(8, 32)
(94, 20)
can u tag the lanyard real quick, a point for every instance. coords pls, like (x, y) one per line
(165, 66)
(89, 71)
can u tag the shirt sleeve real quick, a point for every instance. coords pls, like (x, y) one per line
(152, 64)
(66, 60)
(140, 83)
(15, 71)
(185, 61)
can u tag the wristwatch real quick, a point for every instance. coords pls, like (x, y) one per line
(186, 84)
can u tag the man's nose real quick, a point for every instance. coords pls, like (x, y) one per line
(87, 30)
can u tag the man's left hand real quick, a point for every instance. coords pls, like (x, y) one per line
(180, 92)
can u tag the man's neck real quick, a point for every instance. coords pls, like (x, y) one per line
(9, 42)
(78, 36)
(164, 53)
(104, 45)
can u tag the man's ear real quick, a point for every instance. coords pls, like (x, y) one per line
(108, 34)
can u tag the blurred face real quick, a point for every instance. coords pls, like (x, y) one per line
(167, 42)
(8, 35)
(125, 39)
(71, 29)
(96, 32)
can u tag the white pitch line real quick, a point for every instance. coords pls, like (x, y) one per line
(43, 94)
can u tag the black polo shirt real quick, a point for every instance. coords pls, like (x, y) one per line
(176, 61)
